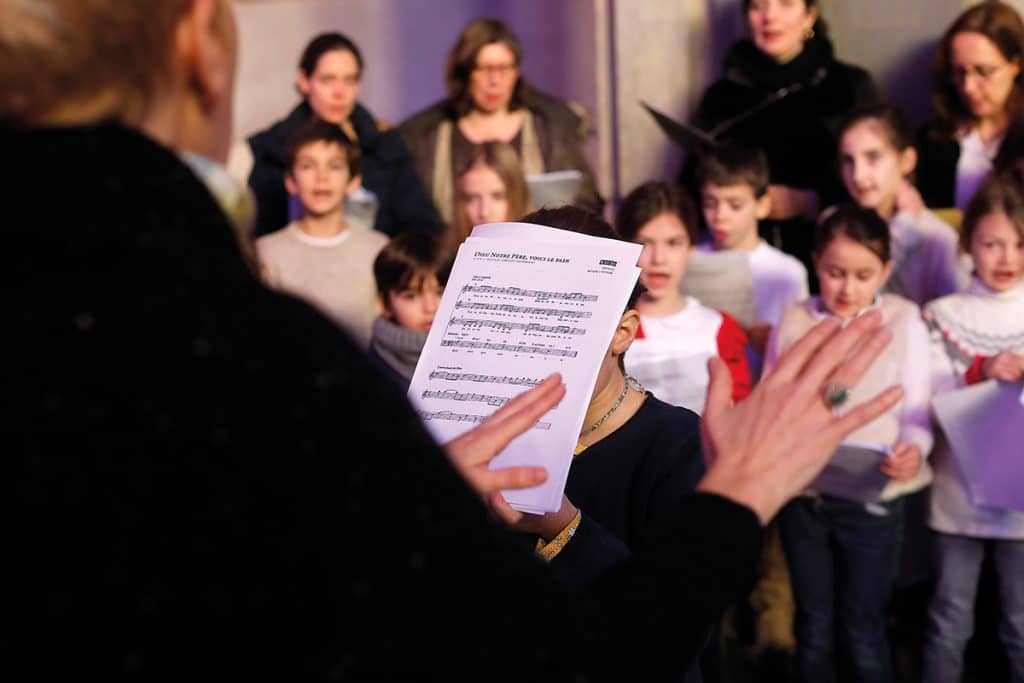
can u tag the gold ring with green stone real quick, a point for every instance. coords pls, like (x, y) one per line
(835, 394)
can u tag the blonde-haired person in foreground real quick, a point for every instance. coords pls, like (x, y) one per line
(191, 478)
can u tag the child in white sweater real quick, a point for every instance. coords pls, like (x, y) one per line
(977, 335)
(843, 549)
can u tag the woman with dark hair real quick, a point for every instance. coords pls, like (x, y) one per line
(489, 100)
(784, 91)
(330, 74)
(978, 102)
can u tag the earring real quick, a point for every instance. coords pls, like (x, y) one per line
(808, 34)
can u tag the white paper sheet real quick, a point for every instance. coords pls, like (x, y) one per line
(722, 280)
(679, 381)
(854, 472)
(522, 302)
(984, 425)
(554, 188)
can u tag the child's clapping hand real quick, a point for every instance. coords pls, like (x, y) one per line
(904, 462)
(1005, 365)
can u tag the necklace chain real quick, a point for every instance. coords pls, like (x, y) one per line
(629, 382)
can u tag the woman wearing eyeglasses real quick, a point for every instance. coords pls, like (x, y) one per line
(976, 94)
(488, 100)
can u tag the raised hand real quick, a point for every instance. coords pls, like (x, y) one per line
(766, 449)
(1005, 365)
(472, 452)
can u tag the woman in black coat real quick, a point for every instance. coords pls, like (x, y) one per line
(784, 91)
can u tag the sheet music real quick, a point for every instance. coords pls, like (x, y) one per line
(984, 425)
(854, 473)
(722, 280)
(522, 302)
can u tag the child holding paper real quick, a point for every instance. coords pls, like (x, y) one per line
(842, 553)
(876, 160)
(677, 333)
(734, 182)
(977, 335)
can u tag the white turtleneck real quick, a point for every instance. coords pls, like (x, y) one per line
(977, 322)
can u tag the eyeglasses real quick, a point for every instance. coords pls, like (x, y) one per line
(495, 69)
(983, 72)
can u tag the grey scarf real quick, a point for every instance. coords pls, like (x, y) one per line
(398, 347)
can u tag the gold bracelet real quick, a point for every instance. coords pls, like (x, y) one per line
(549, 551)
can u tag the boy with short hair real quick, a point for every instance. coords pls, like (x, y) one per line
(319, 257)
(411, 272)
(734, 182)
(734, 196)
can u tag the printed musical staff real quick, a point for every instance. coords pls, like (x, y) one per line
(528, 310)
(539, 294)
(515, 348)
(452, 395)
(461, 417)
(502, 326)
(488, 379)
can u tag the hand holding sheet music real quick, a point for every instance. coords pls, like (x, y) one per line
(523, 301)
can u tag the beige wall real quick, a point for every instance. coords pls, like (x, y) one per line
(605, 54)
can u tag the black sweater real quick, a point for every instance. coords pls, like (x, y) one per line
(207, 479)
(632, 483)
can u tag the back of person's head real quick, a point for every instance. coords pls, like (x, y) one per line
(857, 224)
(889, 118)
(503, 159)
(324, 43)
(1002, 25)
(733, 163)
(62, 57)
(584, 222)
(318, 130)
(648, 201)
(1000, 193)
(463, 56)
(408, 259)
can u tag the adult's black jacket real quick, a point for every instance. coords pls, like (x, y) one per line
(387, 168)
(207, 480)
